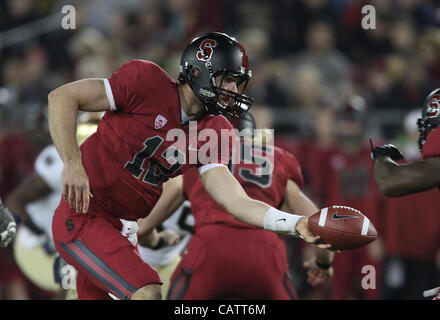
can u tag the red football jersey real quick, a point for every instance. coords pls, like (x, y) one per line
(133, 151)
(414, 214)
(267, 188)
(431, 148)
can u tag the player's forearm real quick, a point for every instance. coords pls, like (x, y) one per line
(227, 192)
(63, 114)
(247, 210)
(390, 178)
(18, 207)
(170, 200)
(157, 216)
(261, 215)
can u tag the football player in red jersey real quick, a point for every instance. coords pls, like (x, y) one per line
(394, 179)
(118, 172)
(226, 258)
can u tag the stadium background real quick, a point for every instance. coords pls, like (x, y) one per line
(307, 58)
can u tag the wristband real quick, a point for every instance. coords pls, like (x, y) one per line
(279, 221)
(323, 266)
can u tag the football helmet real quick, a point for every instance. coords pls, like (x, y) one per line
(430, 116)
(217, 54)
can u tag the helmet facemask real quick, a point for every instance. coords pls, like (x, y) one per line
(228, 102)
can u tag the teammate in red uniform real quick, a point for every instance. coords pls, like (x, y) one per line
(229, 259)
(395, 180)
(132, 154)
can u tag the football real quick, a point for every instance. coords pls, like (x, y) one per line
(343, 227)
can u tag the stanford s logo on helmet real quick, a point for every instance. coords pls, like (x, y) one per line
(205, 52)
(432, 109)
(209, 56)
(430, 116)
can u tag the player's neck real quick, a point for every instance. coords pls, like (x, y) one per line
(189, 103)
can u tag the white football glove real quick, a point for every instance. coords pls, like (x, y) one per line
(8, 227)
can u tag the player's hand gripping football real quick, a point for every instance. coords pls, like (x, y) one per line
(76, 189)
(8, 226)
(302, 227)
(387, 150)
(317, 275)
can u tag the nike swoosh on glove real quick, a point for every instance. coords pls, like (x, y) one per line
(8, 227)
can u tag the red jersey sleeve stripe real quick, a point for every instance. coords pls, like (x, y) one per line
(109, 93)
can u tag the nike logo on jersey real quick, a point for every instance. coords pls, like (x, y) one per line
(160, 122)
(338, 217)
(280, 220)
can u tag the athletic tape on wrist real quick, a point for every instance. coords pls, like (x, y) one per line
(279, 221)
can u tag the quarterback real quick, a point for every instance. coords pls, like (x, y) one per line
(118, 172)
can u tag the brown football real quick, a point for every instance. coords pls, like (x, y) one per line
(343, 227)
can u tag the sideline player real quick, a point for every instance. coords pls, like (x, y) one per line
(35, 201)
(394, 179)
(130, 157)
(229, 259)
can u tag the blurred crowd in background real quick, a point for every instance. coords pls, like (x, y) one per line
(320, 80)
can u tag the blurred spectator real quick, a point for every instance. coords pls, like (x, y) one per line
(293, 19)
(409, 91)
(320, 52)
(429, 51)
(16, 12)
(307, 88)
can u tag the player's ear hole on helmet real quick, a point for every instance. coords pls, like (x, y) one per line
(196, 72)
